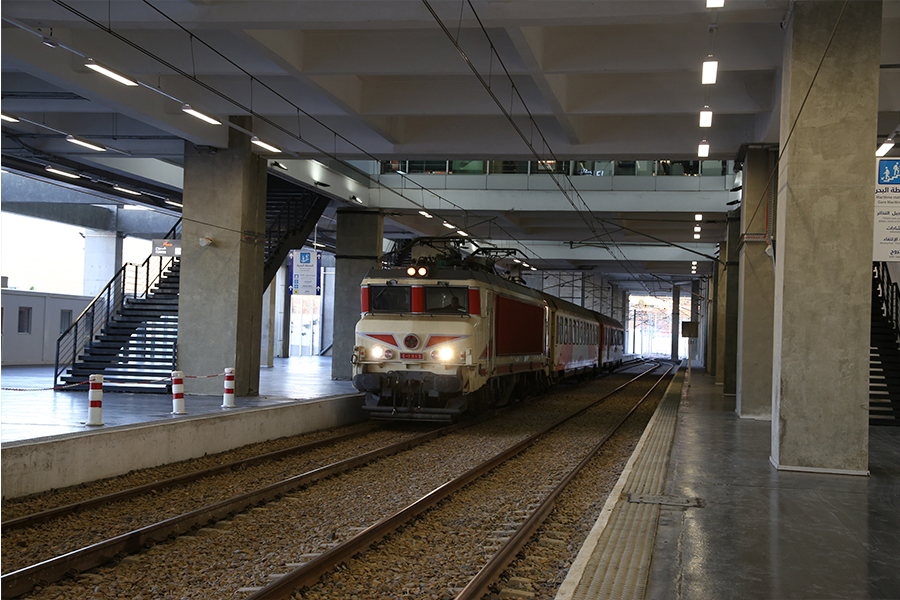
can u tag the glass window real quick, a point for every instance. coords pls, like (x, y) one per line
(549, 166)
(508, 167)
(390, 298)
(24, 319)
(426, 166)
(65, 320)
(678, 167)
(639, 168)
(713, 167)
(467, 167)
(439, 299)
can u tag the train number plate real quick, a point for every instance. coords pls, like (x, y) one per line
(411, 356)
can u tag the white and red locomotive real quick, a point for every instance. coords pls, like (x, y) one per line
(434, 342)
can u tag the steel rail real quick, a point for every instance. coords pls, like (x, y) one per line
(61, 511)
(24, 580)
(309, 573)
(478, 585)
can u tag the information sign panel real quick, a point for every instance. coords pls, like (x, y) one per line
(886, 243)
(306, 273)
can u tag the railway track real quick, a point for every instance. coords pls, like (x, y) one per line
(45, 573)
(375, 558)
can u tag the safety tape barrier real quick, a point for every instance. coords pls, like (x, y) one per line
(72, 385)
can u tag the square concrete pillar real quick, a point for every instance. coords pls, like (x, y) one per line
(220, 303)
(676, 320)
(756, 291)
(824, 228)
(732, 275)
(360, 234)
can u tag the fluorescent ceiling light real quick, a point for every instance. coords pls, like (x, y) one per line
(715, 3)
(534, 268)
(449, 225)
(8, 118)
(883, 150)
(526, 265)
(710, 68)
(698, 217)
(119, 188)
(94, 66)
(703, 149)
(462, 233)
(261, 144)
(705, 118)
(173, 203)
(696, 236)
(318, 244)
(694, 263)
(68, 174)
(356, 199)
(75, 140)
(426, 214)
(516, 260)
(696, 229)
(49, 42)
(187, 108)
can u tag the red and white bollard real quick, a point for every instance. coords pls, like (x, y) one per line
(95, 398)
(178, 393)
(228, 396)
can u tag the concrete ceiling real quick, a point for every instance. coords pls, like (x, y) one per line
(396, 79)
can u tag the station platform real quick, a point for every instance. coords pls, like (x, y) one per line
(37, 413)
(700, 512)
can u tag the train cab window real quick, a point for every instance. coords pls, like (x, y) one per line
(390, 299)
(452, 300)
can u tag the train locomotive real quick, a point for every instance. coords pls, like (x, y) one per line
(447, 334)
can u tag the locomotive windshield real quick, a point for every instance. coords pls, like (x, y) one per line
(447, 299)
(390, 299)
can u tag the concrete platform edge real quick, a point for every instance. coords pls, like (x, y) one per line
(576, 572)
(39, 465)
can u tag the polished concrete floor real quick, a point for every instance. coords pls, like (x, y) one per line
(768, 534)
(35, 412)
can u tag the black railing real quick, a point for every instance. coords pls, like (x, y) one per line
(890, 295)
(131, 281)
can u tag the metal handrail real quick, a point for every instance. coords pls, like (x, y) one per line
(890, 295)
(131, 281)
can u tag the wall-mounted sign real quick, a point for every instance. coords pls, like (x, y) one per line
(166, 247)
(886, 243)
(306, 273)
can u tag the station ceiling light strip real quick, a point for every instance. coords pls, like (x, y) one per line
(249, 110)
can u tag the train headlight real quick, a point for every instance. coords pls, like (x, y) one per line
(422, 271)
(388, 353)
(411, 271)
(377, 352)
(446, 353)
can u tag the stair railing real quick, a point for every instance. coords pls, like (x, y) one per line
(890, 295)
(132, 281)
(292, 216)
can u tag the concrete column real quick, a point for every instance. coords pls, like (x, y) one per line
(756, 294)
(696, 344)
(220, 304)
(732, 282)
(359, 243)
(721, 286)
(102, 259)
(267, 341)
(676, 320)
(824, 226)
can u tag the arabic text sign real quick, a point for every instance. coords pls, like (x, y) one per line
(886, 246)
(305, 273)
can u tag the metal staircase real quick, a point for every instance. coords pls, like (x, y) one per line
(884, 351)
(129, 332)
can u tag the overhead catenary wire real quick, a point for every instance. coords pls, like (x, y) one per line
(378, 183)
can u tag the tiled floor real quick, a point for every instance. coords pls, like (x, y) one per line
(766, 534)
(39, 413)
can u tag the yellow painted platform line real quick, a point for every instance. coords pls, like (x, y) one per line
(615, 559)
